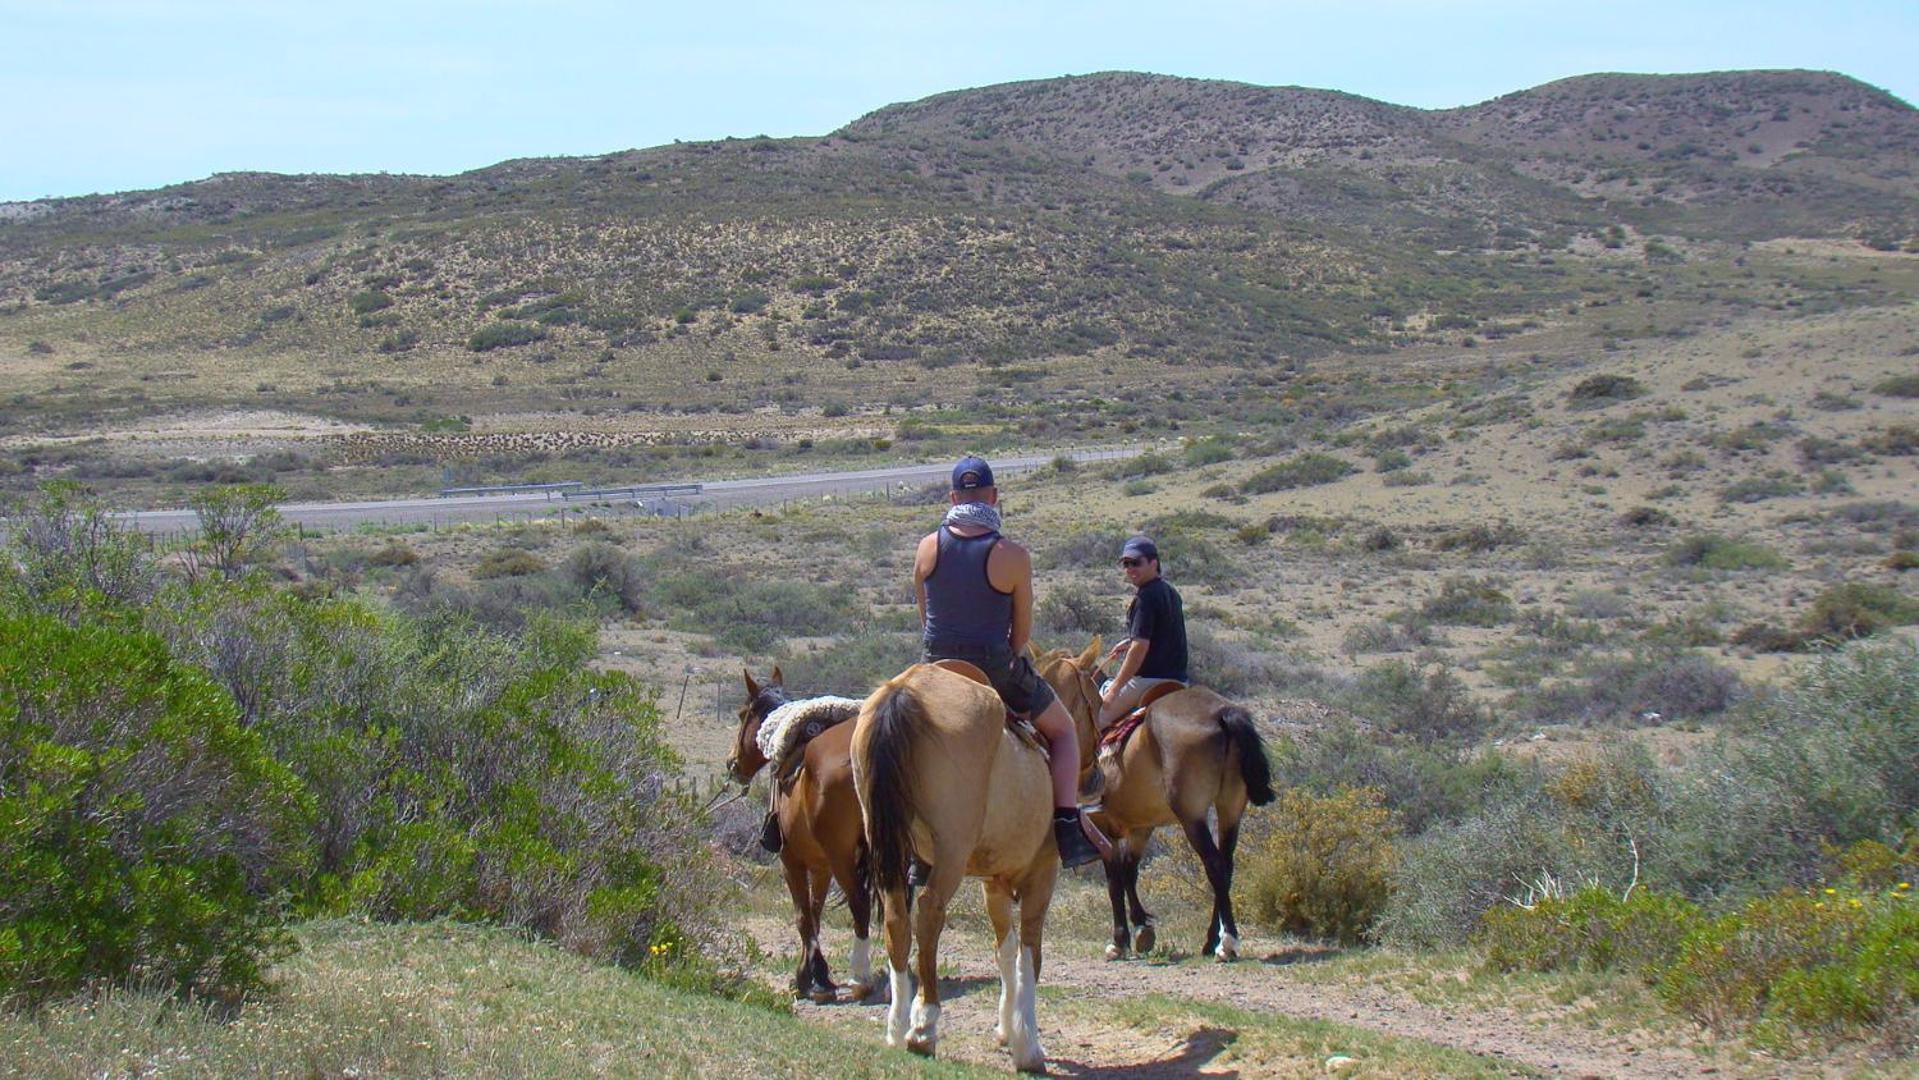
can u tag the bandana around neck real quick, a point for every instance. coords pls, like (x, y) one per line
(977, 514)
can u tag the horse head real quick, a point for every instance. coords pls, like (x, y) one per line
(761, 700)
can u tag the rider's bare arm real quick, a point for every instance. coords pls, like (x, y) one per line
(1010, 569)
(1135, 659)
(924, 560)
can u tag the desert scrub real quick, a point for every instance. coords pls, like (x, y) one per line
(1595, 391)
(1710, 551)
(511, 562)
(1304, 470)
(1591, 929)
(1321, 867)
(1856, 609)
(1468, 602)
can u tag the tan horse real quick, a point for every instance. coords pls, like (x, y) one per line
(1195, 752)
(823, 842)
(940, 776)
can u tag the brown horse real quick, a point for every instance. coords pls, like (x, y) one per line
(941, 777)
(819, 818)
(1195, 752)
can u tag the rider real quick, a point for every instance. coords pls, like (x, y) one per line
(975, 591)
(1155, 642)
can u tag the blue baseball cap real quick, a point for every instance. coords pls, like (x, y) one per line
(972, 472)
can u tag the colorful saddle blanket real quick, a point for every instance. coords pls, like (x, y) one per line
(1113, 739)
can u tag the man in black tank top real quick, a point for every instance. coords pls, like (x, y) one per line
(975, 591)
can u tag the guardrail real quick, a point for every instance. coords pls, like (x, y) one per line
(637, 492)
(562, 487)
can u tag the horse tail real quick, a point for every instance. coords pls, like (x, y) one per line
(888, 798)
(1254, 767)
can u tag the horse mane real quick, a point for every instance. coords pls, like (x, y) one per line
(788, 727)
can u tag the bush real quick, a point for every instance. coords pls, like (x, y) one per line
(368, 302)
(851, 667)
(1591, 930)
(1321, 867)
(1760, 488)
(1597, 390)
(1303, 470)
(395, 553)
(510, 562)
(1905, 386)
(1468, 602)
(1856, 609)
(501, 335)
(1668, 684)
(601, 570)
(1429, 706)
(1075, 609)
(144, 834)
(1713, 552)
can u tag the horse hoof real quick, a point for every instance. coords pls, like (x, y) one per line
(921, 1046)
(1034, 1062)
(822, 995)
(1144, 940)
(1114, 952)
(859, 991)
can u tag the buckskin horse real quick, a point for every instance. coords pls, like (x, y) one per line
(940, 775)
(821, 836)
(1195, 751)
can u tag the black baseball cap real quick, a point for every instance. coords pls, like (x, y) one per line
(972, 472)
(1140, 547)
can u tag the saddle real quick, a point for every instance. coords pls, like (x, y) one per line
(1021, 726)
(1113, 739)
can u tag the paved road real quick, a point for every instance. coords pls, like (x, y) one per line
(714, 494)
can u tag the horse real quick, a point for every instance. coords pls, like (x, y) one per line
(1195, 752)
(823, 841)
(941, 776)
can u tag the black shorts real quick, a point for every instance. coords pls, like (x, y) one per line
(1019, 685)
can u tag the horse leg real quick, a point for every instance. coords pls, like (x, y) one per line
(895, 910)
(823, 990)
(928, 922)
(1143, 922)
(1201, 839)
(999, 908)
(851, 874)
(1035, 895)
(798, 887)
(1115, 867)
(1228, 841)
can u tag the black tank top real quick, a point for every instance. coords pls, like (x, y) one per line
(964, 612)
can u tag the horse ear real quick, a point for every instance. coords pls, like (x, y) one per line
(1091, 656)
(778, 679)
(752, 688)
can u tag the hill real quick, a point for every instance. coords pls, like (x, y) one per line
(1068, 240)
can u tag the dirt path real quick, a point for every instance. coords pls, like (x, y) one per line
(1261, 982)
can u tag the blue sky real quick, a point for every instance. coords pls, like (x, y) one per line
(123, 94)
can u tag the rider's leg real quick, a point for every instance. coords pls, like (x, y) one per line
(1125, 701)
(1062, 741)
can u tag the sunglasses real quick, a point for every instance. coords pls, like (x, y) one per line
(1130, 563)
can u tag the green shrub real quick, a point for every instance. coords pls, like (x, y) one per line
(1429, 706)
(1597, 390)
(1713, 552)
(1856, 609)
(1303, 470)
(509, 562)
(1905, 386)
(851, 667)
(501, 335)
(368, 302)
(1591, 930)
(1468, 602)
(1211, 450)
(144, 833)
(1760, 488)
(1898, 440)
(601, 570)
(1322, 867)
(1075, 609)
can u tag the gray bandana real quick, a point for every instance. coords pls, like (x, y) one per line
(979, 514)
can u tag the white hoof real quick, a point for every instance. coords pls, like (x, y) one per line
(925, 1036)
(1228, 950)
(1031, 1058)
(898, 1014)
(1114, 952)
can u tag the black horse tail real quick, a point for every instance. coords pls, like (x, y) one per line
(1254, 768)
(888, 804)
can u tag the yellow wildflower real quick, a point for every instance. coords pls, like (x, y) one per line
(1832, 892)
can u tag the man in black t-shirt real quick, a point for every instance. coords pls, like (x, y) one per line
(1154, 649)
